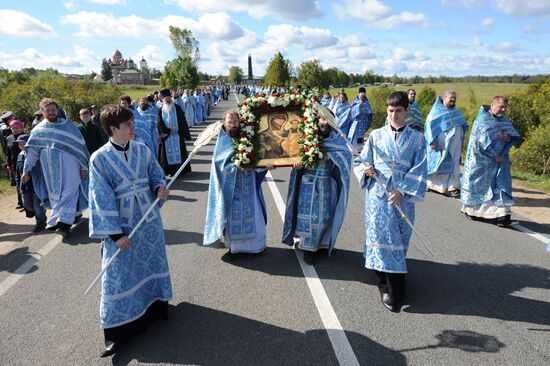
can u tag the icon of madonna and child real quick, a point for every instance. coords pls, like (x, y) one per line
(278, 134)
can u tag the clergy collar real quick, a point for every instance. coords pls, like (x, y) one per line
(400, 129)
(120, 147)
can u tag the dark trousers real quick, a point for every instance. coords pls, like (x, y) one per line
(392, 284)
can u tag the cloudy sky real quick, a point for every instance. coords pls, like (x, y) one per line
(415, 37)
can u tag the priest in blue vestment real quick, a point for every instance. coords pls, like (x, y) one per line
(173, 130)
(317, 198)
(413, 119)
(125, 179)
(358, 120)
(340, 108)
(199, 107)
(444, 133)
(396, 155)
(327, 98)
(486, 191)
(59, 147)
(236, 207)
(147, 126)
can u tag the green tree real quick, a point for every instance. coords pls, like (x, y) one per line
(235, 74)
(106, 72)
(278, 72)
(343, 79)
(311, 75)
(180, 73)
(185, 44)
(425, 99)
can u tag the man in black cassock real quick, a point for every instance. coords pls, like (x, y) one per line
(174, 131)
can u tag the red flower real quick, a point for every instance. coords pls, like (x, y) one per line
(240, 151)
(305, 135)
(274, 94)
(292, 101)
(316, 145)
(244, 102)
(303, 104)
(295, 93)
(258, 95)
(251, 123)
(315, 131)
(249, 155)
(304, 118)
(243, 135)
(263, 104)
(306, 149)
(243, 119)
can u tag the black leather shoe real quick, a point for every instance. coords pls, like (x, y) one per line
(64, 231)
(110, 349)
(309, 257)
(387, 301)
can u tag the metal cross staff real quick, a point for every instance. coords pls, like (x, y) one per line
(204, 137)
(332, 122)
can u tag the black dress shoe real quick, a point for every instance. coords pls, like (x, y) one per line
(64, 230)
(504, 221)
(387, 301)
(309, 257)
(110, 349)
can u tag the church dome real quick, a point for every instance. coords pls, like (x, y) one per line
(117, 54)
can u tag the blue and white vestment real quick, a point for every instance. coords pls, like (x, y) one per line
(317, 198)
(121, 191)
(236, 207)
(444, 128)
(61, 150)
(486, 190)
(399, 161)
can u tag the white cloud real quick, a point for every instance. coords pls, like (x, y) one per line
(507, 47)
(80, 61)
(70, 5)
(218, 26)
(19, 24)
(404, 18)
(372, 10)
(475, 42)
(487, 22)
(286, 35)
(296, 9)
(523, 8)
(107, 2)
(402, 54)
(378, 15)
(463, 3)
(152, 54)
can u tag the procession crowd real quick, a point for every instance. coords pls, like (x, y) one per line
(140, 144)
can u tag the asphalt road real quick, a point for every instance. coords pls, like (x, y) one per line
(483, 299)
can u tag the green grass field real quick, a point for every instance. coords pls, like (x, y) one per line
(138, 91)
(483, 91)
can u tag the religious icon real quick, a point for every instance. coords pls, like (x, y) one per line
(278, 134)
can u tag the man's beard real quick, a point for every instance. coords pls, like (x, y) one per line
(52, 118)
(234, 132)
(167, 107)
(144, 107)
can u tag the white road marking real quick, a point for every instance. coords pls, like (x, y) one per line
(29, 263)
(533, 234)
(340, 343)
